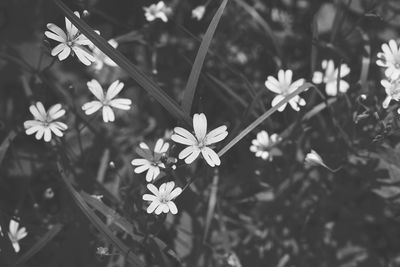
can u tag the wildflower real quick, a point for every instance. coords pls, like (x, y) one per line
(44, 123)
(283, 87)
(70, 42)
(106, 101)
(314, 159)
(157, 11)
(102, 59)
(390, 59)
(161, 199)
(198, 12)
(264, 146)
(151, 161)
(330, 77)
(392, 89)
(200, 142)
(16, 234)
(103, 251)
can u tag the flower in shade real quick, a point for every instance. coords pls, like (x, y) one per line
(44, 122)
(106, 101)
(198, 12)
(392, 89)
(162, 198)
(283, 86)
(151, 161)
(200, 142)
(157, 11)
(16, 234)
(264, 146)
(102, 59)
(71, 42)
(330, 77)
(389, 58)
(314, 159)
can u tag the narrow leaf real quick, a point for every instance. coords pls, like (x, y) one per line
(212, 201)
(263, 117)
(198, 63)
(134, 72)
(6, 144)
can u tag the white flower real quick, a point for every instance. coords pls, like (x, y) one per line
(264, 145)
(70, 42)
(106, 101)
(392, 89)
(200, 142)
(161, 200)
(157, 11)
(151, 161)
(283, 87)
(102, 59)
(198, 12)
(313, 158)
(16, 234)
(390, 59)
(43, 123)
(330, 77)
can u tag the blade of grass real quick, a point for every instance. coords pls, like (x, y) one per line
(54, 230)
(6, 144)
(134, 72)
(228, 90)
(211, 204)
(263, 117)
(199, 61)
(366, 60)
(96, 221)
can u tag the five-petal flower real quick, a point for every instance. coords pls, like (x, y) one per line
(44, 122)
(157, 11)
(16, 234)
(283, 86)
(161, 199)
(389, 58)
(107, 100)
(200, 142)
(330, 77)
(264, 146)
(392, 89)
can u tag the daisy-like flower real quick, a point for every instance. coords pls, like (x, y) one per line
(330, 77)
(200, 142)
(102, 59)
(70, 42)
(107, 100)
(392, 89)
(283, 86)
(157, 11)
(161, 199)
(44, 122)
(389, 58)
(151, 161)
(15, 234)
(198, 12)
(264, 146)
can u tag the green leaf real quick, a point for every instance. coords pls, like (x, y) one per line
(198, 63)
(134, 72)
(263, 117)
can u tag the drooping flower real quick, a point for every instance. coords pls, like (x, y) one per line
(389, 58)
(198, 12)
(157, 11)
(102, 59)
(264, 146)
(107, 100)
(283, 86)
(330, 77)
(392, 89)
(15, 234)
(200, 142)
(44, 122)
(71, 42)
(151, 161)
(161, 199)
(314, 159)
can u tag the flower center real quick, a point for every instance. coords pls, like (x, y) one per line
(163, 199)
(201, 144)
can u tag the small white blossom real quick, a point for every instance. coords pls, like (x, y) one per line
(330, 77)
(16, 234)
(264, 146)
(389, 58)
(151, 161)
(70, 42)
(392, 89)
(157, 11)
(200, 142)
(283, 86)
(161, 199)
(44, 122)
(314, 159)
(198, 12)
(107, 100)
(102, 59)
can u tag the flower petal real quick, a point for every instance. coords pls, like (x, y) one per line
(96, 89)
(200, 125)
